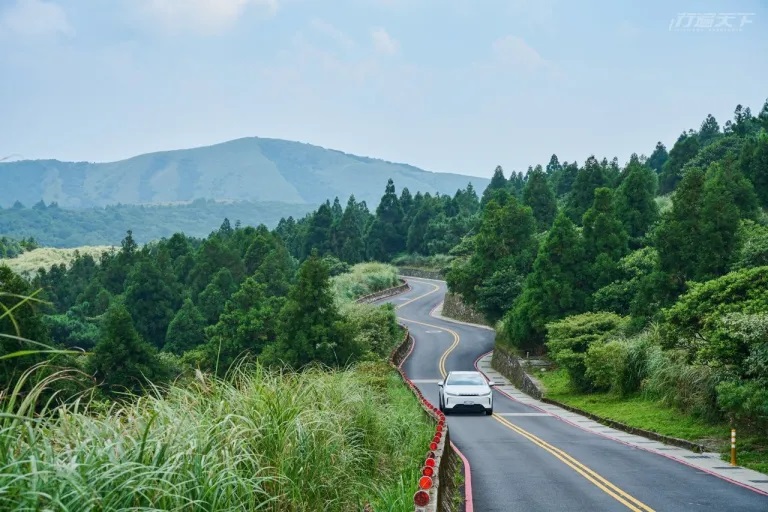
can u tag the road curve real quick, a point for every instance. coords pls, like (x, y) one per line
(523, 460)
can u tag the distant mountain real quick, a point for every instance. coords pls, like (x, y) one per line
(249, 169)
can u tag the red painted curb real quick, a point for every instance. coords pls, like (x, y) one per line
(468, 507)
(704, 470)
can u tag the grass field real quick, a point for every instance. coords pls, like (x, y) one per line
(46, 257)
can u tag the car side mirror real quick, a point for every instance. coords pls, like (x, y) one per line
(491, 383)
(440, 384)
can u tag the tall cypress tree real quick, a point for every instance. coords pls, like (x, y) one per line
(658, 157)
(557, 286)
(385, 237)
(498, 184)
(311, 328)
(539, 196)
(685, 148)
(635, 204)
(186, 330)
(589, 178)
(605, 240)
(121, 360)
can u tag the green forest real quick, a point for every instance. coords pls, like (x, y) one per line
(651, 277)
(648, 278)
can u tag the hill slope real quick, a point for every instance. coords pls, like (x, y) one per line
(247, 169)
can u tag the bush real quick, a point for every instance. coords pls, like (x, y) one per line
(604, 365)
(364, 279)
(374, 329)
(569, 339)
(690, 388)
(440, 262)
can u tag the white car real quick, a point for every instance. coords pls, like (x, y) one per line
(466, 391)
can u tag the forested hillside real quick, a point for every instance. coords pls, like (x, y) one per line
(578, 261)
(248, 169)
(54, 226)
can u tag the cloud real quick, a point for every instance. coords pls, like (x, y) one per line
(383, 42)
(332, 32)
(201, 16)
(35, 18)
(515, 52)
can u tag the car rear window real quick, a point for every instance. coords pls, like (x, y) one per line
(466, 380)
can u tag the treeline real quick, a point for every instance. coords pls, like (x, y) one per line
(421, 223)
(10, 248)
(580, 261)
(152, 313)
(53, 226)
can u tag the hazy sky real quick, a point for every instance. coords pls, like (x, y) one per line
(446, 85)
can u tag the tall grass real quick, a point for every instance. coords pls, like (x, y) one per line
(316, 440)
(364, 279)
(46, 257)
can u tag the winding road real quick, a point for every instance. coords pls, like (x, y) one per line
(524, 460)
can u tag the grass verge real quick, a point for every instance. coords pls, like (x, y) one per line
(643, 412)
(316, 440)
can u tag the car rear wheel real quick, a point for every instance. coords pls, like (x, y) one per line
(489, 412)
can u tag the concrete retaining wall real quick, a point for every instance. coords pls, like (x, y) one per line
(382, 294)
(420, 272)
(508, 364)
(454, 307)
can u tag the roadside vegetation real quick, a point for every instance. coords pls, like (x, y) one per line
(646, 283)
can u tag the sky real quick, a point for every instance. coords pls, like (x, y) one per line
(445, 85)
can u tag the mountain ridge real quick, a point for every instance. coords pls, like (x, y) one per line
(243, 169)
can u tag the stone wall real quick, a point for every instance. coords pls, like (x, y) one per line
(509, 365)
(454, 307)
(420, 272)
(382, 294)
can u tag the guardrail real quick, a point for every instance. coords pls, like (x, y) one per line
(382, 294)
(435, 487)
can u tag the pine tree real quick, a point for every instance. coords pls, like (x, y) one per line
(319, 233)
(186, 330)
(311, 328)
(658, 157)
(605, 240)
(212, 299)
(685, 148)
(678, 236)
(151, 299)
(351, 232)
(385, 236)
(247, 325)
(498, 184)
(555, 288)
(589, 178)
(709, 131)
(753, 163)
(121, 360)
(539, 196)
(635, 202)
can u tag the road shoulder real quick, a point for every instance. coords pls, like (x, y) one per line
(707, 462)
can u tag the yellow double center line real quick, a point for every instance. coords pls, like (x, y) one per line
(622, 497)
(613, 491)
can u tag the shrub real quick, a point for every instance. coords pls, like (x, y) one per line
(569, 339)
(604, 364)
(364, 279)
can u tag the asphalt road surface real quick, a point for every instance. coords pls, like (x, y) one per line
(521, 461)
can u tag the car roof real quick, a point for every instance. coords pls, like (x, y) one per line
(465, 372)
